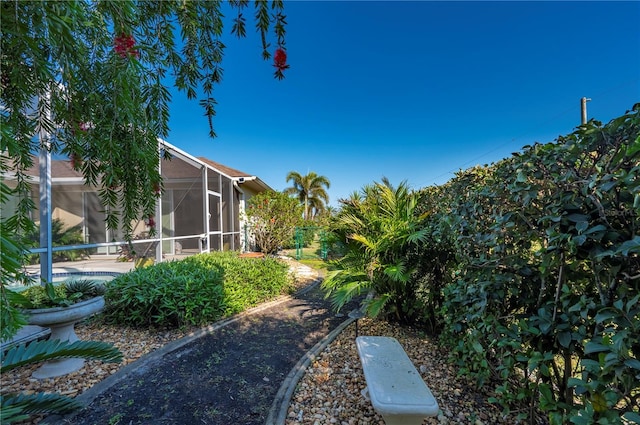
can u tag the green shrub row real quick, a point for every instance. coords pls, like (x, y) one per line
(528, 269)
(539, 295)
(247, 281)
(194, 291)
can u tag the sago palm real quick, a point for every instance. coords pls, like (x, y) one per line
(18, 407)
(310, 191)
(380, 224)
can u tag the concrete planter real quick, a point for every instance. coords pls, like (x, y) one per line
(61, 321)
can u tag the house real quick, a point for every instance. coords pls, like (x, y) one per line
(201, 208)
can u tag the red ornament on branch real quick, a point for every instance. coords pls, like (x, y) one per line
(123, 46)
(280, 59)
(280, 62)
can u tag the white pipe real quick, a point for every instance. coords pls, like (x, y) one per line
(46, 258)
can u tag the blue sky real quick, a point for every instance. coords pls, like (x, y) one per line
(415, 90)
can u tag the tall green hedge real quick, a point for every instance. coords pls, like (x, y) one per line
(532, 272)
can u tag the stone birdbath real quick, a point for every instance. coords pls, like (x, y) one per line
(61, 321)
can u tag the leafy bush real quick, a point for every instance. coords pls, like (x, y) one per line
(336, 245)
(542, 299)
(169, 294)
(60, 236)
(247, 281)
(529, 267)
(194, 291)
(38, 297)
(273, 217)
(64, 294)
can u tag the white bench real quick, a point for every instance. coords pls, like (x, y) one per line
(396, 389)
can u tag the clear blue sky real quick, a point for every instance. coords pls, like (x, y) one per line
(414, 91)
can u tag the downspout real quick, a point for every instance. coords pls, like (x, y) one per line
(243, 241)
(159, 210)
(204, 242)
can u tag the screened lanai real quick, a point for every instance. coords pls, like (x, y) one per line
(201, 208)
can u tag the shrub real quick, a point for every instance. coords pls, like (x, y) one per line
(194, 291)
(273, 217)
(529, 267)
(170, 294)
(247, 281)
(38, 297)
(336, 245)
(60, 236)
(64, 294)
(380, 225)
(541, 302)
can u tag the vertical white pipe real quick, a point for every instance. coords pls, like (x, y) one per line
(205, 216)
(159, 208)
(583, 109)
(46, 258)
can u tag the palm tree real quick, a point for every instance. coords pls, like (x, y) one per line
(310, 190)
(381, 223)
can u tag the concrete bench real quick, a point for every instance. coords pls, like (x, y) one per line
(395, 387)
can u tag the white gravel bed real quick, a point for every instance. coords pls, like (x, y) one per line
(330, 390)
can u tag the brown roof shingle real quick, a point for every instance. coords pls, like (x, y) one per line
(231, 172)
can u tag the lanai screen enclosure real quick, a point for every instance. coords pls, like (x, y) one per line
(201, 208)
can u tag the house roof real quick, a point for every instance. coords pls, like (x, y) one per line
(249, 181)
(61, 170)
(231, 172)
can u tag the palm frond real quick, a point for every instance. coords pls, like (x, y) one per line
(375, 305)
(39, 351)
(347, 292)
(418, 236)
(397, 272)
(11, 415)
(368, 244)
(336, 278)
(17, 407)
(342, 285)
